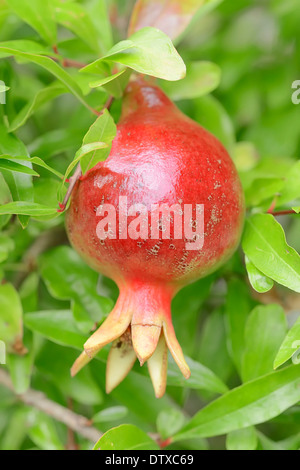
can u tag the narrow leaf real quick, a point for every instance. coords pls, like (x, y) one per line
(126, 437)
(51, 67)
(10, 165)
(39, 15)
(258, 280)
(27, 208)
(201, 78)
(290, 346)
(265, 245)
(242, 439)
(252, 403)
(265, 329)
(148, 51)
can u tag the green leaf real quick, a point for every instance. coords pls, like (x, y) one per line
(201, 78)
(126, 437)
(36, 160)
(242, 439)
(103, 81)
(190, 299)
(252, 403)
(289, 347)
(201, 378)
(88, 150)
(68, 277)
(42, 431)
(83, 318)
(11, 313)
(99, 13)
(148, 51)
(74, 16)
(3, 88)
(114, 84)
(210, 113)
(290, 443)
(265, 329)
(103, 130)
(5, 197)
(25, 45)
(57, 325)
(27, 208)
(169, 422)
(290, 190)
(41, 97)
(83, 387)
(53, 143)
(52, 67)
(258, 280)
(110, 414)
(265, 245)
(39, 15)
(214, 354)
(6, 164)
(6, 247)
(245, 156)
(20, 367)
(20, 185)
(15, 432)
(262, 189)
(237, 310)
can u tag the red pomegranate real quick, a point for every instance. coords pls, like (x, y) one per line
(160, 161)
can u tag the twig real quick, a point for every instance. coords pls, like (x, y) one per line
(38, 400)
(67, 62)
(287, 212)
(71, 438)
(275, 213)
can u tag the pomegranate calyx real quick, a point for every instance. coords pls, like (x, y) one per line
(139, 326)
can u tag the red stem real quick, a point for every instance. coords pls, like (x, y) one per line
(165, 443)
(287, 212)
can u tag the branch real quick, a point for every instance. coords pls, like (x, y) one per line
(276, 213)
(272, 211)
(67, 62)
(36, 399)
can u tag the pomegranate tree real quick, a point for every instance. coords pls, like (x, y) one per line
(160, 158)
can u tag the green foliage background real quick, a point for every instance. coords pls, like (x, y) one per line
(236, 325)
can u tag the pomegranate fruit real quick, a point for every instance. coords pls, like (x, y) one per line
(160, 157)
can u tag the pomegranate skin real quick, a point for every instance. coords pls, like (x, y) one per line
(159, 156)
